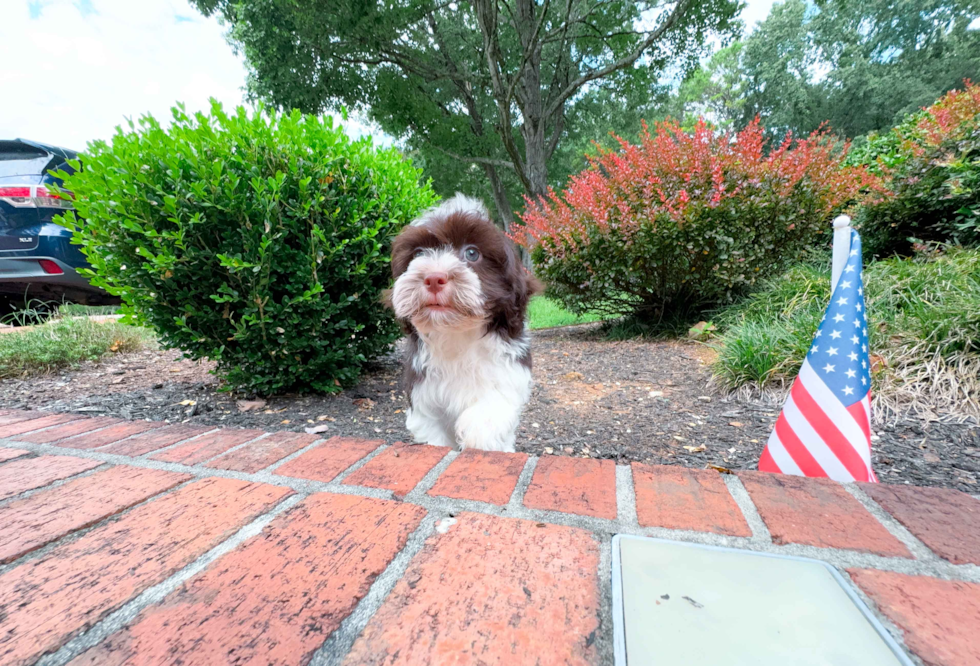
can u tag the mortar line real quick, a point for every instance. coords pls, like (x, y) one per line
(264, 435)
(626, 496)
(54, 484)
(127, 437)
(78, 417)
(760, 533)
(516, 502)
(339, 479)
(336, 647)
(429, 480)
(270, 469)
(146, 456)
(83, 434)
(604, 632)
(74, 535)
(129, 611)
(918, 549)
(836, 557)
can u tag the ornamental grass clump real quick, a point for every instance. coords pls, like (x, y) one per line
(681, 221)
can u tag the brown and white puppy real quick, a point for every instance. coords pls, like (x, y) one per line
(461, 295)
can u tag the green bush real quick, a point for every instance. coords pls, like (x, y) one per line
(260, 241)
(924, 326)
(686, 220)
(932, 166)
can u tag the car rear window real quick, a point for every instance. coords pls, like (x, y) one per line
(17, 159)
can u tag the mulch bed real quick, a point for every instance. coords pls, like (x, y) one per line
(647, 401)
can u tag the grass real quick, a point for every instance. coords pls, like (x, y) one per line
(924, 316)
(546, 313)
(65, 342)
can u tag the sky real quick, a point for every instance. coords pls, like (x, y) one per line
(75, 69)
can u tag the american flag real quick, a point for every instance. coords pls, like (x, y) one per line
(825, 426)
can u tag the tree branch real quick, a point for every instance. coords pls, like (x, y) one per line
(625, 61)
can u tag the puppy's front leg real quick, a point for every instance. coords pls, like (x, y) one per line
(490, 424)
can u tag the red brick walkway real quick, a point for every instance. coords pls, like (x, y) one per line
(143, 543)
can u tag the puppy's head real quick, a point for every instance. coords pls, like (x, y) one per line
(455, 269)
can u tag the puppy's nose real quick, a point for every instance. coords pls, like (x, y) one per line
(434, 282)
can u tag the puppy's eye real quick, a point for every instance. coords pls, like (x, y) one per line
(418, 253)
(471, 254)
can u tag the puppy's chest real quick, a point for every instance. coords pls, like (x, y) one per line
(467, 374)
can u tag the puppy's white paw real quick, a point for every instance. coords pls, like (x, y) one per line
(480, 428)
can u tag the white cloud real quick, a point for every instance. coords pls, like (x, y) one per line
(75, 69)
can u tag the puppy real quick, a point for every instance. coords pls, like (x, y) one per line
(461, 295)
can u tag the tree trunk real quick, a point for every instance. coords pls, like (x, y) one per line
(500, 200)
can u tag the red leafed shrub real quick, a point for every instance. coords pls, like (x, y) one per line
(686, 220)
(931, 165)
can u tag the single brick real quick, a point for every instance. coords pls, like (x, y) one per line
(944, 519)
(11, 416)
(491, 591)
(274, 599)
(574, 485)
(398, 468)
(679, 498)
(29, 425)
(110, 435)
(326, 461)
(51, 514)
(484, 476)
(155, 439)
(45, 602)
(817, 512)
(68, 430)
(939, 618)
(10, 454)
(207, 446)
(18, 476)
(267, 451)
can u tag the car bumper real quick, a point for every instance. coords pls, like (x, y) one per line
(28, 270)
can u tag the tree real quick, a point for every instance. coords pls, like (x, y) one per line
(488, 84)
(715, 91)
(859, 65)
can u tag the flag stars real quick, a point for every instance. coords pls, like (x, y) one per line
(814, 349)
(858, 306)
(845, 285)
(864, 348)
(851, 374)
(838, 318)
(860, 291)
(849, 269)
(855, 339)
(832, 351)
(864, 364)
(864, 381)
(854, 252)
(848, 390)
(852, 356)
(835, 334)
(819, 333)
(841, 301)
(857, 323)
(828, 368)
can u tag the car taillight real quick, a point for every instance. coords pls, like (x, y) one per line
(50, 267)
(32, 196)
(45, 199)
(19, 196)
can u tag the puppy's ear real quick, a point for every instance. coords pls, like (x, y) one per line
(523, 286)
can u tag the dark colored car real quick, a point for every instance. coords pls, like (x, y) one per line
(37, 259)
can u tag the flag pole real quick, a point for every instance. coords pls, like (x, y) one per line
(842, 248)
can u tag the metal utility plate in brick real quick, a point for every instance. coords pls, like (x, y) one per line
(683, 604)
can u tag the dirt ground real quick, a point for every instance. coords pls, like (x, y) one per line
(637, 400)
